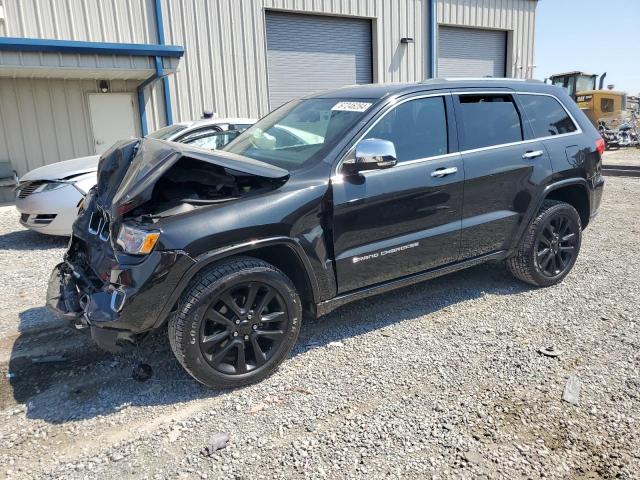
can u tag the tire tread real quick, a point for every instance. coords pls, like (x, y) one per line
(179, 322)
(521, 264)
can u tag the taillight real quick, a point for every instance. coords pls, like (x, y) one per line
(600, 145)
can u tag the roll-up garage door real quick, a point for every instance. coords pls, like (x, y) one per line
(311, 53)
(470, 52)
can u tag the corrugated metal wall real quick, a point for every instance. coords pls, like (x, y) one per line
(126, 21)
(45, 121)
(516, 16)
(225, 67)
(216, 33)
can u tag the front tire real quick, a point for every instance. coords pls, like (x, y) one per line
(549, 248)
(237, 322)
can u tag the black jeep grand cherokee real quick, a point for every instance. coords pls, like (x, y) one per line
(328, 199)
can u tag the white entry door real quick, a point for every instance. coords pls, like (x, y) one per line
(112, 118)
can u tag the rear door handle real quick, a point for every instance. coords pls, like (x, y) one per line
(443, 172)
(532, 154)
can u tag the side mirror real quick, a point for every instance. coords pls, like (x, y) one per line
(371, 154)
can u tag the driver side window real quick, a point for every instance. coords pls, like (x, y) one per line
(417, 128)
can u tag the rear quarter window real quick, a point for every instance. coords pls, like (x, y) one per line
(489, 120)
(546, 116)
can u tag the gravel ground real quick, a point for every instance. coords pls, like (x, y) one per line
(622, 156)
(27, 259)
(442, 379)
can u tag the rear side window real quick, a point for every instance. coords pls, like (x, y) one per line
(489, 120)
(417, 128)
(547, 116)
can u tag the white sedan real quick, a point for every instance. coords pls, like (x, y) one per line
(48, 198)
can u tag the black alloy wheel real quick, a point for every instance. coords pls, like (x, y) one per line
(556, 246)
(549, 247)
(236, 323)
(243, 328)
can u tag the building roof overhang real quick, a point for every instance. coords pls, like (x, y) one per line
(89, 48)
(66, 59)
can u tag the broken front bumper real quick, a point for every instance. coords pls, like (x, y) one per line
(133, 300)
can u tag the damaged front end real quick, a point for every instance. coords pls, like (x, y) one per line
(117, 276)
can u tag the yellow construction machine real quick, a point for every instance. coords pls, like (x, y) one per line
(606, 108)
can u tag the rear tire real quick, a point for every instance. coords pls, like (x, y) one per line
(236, 323)
(550, 246)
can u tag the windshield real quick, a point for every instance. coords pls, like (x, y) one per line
(166, 132)
(300, 132)
(585, 83)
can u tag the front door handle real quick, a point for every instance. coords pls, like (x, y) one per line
(443, 172)
(530, 155)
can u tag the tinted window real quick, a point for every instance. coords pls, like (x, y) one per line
(489, 120)
(546, 115)
(417, 128)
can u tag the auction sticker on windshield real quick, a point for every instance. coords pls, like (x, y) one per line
(350, 107)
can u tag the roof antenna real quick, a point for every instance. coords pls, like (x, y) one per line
(208, 114)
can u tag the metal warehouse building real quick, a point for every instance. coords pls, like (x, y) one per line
(77, 74)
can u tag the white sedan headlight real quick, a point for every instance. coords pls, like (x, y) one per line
(136, 241)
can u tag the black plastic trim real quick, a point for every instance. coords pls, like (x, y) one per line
(208, 258)
(329, 305)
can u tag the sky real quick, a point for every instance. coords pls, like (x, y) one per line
(594, 36)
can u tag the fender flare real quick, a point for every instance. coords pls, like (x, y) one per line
(203, 260)
(543, 196)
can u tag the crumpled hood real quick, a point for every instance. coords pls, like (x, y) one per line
(128, 171)
(62, 170)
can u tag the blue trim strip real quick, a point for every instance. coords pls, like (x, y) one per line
(168, 112)
(159, 23)
(98, 48)
(159, 73)
(433, 26)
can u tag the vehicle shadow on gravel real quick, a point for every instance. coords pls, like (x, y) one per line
(38, 318)
(29, 240)
(84, 382)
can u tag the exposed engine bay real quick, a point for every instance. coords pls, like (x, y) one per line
(192, 183)
(152, 179)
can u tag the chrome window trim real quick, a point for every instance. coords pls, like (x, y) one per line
(393, 107)
(368, 173)
(462, 152)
